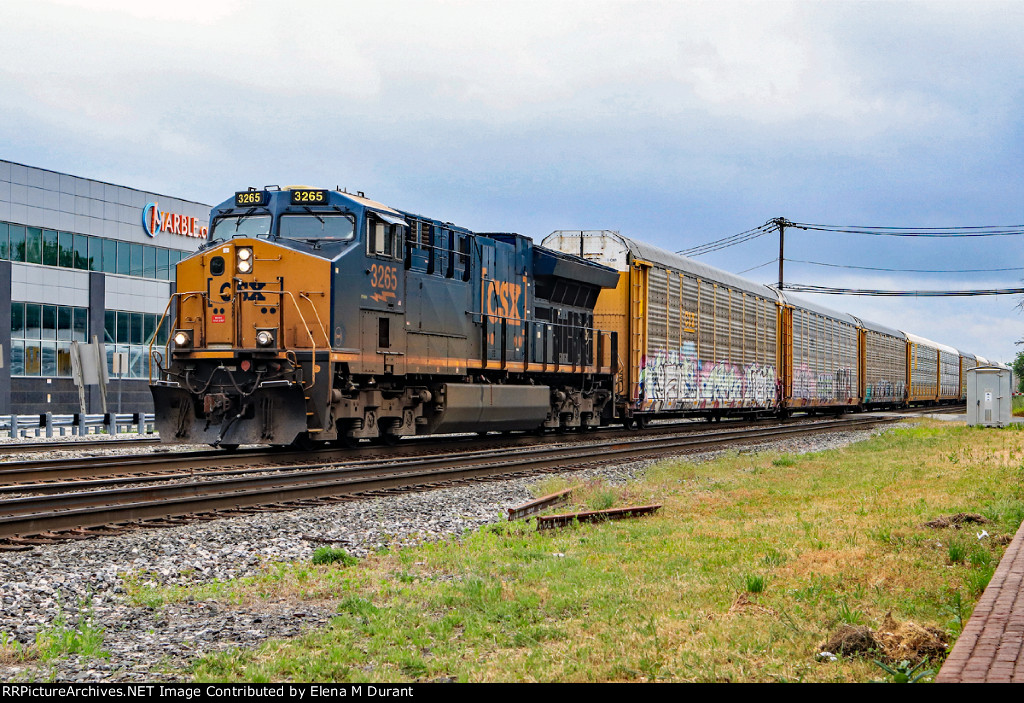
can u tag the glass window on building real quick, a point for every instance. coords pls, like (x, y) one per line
(163, 265)
(5, 241)
(124, 257)
(17, 243)
(41, 338)
(109, 256)
(136, 260)
(63, 358)
(17, 357)
(33, 358)
(64, 323)
(137, 334)
(95, 254)
(80, 333)
(33, 245)
(50, 250)
(66, 253)
(33, 320)
(48, 359)
(49, 328)
(81, 244)
(110, 327)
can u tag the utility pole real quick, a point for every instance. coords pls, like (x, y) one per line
(781, 223)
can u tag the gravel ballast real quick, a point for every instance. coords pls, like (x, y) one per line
(68, 579)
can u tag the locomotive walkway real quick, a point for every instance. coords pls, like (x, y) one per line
(991, 647)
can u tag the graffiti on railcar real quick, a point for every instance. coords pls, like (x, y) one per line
(669, 374)
(884, 391)
(677, 377)
(805, 382)
(761, 385)
(827, 385)
(721, 381)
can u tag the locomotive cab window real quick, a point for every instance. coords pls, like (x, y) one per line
(322, 227)
(384, 239)
(240, 226)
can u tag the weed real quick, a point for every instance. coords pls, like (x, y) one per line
(774, 558)
(980, 557)
(904, 672)
(60, 637)
(977, 579)
(959, 610)
(11, 650)
(957, 552)
(755, 583)
(333, 555)
(602, 500)
(784, 461)
(850, 616)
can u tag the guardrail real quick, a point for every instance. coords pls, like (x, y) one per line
(47, 424)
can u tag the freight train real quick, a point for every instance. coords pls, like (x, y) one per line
(316, 316)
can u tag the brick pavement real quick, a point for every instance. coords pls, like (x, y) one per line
(991, 647)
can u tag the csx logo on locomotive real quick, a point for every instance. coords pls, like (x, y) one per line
(248, 290)
(503, 299)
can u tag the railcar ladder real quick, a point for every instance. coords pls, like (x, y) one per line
(637, 325)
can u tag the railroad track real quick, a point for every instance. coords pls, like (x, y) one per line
(42, 518)
(20, 447)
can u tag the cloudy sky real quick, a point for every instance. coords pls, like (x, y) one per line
(676, 123)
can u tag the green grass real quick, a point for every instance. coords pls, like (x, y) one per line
(750, 565)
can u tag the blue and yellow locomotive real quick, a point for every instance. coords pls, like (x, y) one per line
(315, 315)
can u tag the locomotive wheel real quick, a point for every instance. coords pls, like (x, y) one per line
(347, 442)
(387, 439)
(305, 443)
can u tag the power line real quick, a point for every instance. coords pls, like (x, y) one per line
(802, 288)
(754, 268)
(874, 268)
(984, 231)
(729, 241)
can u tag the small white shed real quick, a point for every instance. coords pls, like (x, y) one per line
(989, 396)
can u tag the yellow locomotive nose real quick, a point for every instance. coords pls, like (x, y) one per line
(251, 294)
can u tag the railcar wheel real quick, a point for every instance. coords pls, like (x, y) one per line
(628, 423)
(229, 447)
(642, 422)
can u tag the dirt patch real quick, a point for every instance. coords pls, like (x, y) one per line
(893, 642)
(909, 641)
(957, 521)
(851, 639)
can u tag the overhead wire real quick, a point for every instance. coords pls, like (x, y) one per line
(876, 268)
(971, 231)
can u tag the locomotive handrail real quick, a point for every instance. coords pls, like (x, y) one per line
(305, 326)
(597, 364)
(167, 344)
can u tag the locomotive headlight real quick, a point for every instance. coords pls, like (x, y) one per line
(182, 338)
(264, 338)
(244, 262)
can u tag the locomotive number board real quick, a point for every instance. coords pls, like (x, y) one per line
(251, 197)
(309, 197)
